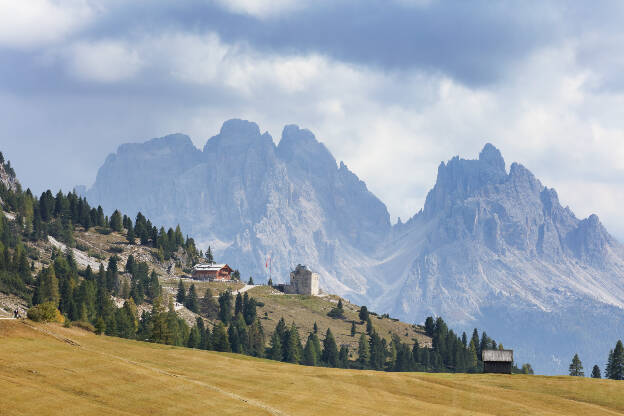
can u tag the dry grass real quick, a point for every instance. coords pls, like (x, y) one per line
(305, 310)
(42, 373)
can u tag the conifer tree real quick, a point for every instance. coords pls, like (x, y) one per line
(330, 350)
(116, 221)
(225, 306)
(352, 328)
(238, 304)
(576, 367)
(131, 237)
(220, 339)
(250, 282)
(208, 306)
(181, 295)
(363, 351)
(48, 290)
(192, 301)
(363, 314)
(209, 256)
(309, 353)
(315, 328)
(276, 347)
(615, 367)
(343, 356)
(256, 339)
(596, 372)
(293, 351)
(369, 326)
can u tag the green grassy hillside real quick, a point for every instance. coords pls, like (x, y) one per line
(48, 369)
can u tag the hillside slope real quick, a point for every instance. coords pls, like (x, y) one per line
(50, 370)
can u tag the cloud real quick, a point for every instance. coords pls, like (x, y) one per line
(262, 8)
(391, 90)
(32, 23)
(103, 61)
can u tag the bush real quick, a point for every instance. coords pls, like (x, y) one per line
(103, 231)
(45, 312)
(84, 325)
(115, 249)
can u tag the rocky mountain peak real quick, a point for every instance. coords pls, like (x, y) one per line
(491, 156)
(300, 148)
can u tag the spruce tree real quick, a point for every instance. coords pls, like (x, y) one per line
(352, 328)
(220, 340)
(369, 326)
(315, 328)
(208, 306)
(309, 353)
(116, 221)
(181, 295)
(617, 362)
(209, 256)
(576, 367)
(276, 347)
(225, 306)
(48, 290)
(596, 372)
(330, 350)
(131, 237)
(363, 351)
(192, 301)
(343, 356)
(363, 314)
(238, 304)
(293, 351)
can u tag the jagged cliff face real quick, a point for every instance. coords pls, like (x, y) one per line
(496, 249)
(492, 247)
(250, 200)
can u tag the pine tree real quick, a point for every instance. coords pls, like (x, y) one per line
(293, 351)
(181, 295)
(369, 326)
(330, 350)
(276, 347)
(352, 328)
(343, 356)
(363, 351)
(596, 372)
(616, 368)
(48, 290)
(238, 304)
(225, 306)
(270, 282)
(116, 221)
(315, 328)
(363, 314)
(250, 282)
(209, 256)
(256, 339)
(208, 306)
(309, 353)
(191, 301)
(576, 367)
(219, 338)
(429, 326)
(131, 237)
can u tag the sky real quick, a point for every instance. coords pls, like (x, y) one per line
(391, 87)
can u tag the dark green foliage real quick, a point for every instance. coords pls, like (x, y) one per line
(369, 326)
(238, 304)
(343, 357)
(219, 339)
(363, 351)
(192, 301)
(576, 367)
(250, 281)
(329, 355)
(209, 256)
(293, 351)
(275, 352)
(352, 328)
(363, 314)
(225, 306)
(208, 306)
(181, 295)
(337, 312)
(596, 372)
(615, 363)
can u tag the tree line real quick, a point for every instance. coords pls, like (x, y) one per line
(614, 368)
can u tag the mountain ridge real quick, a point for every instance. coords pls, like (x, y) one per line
(486, 239)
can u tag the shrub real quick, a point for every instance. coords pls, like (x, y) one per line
(84, 325)
(115, 249)
(336, 313)
(45, 312)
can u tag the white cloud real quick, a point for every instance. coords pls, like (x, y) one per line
(103, 61)
(262, 8)
(31, 23)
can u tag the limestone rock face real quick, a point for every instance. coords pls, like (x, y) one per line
(250, 199)
(8, 178)
(492, 248)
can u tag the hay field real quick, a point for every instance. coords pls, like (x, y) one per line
(51, 370)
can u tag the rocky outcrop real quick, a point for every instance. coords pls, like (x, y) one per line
(7, 175)
(491, 248)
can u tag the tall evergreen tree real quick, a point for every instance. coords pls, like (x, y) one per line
(208, 306)
(276, 347)
(220, 340)
(116, 221)
(192, 301)
(616, 362)
(181, 295)
(343, 356)
(363, 351)
(576, 367)
(293, 351)
(48, 290)
(330, 350)
(363, 314)
(309, 353)
(225, 306)
(209, 256)
(596, 372)
(238, 304)
(352, 328)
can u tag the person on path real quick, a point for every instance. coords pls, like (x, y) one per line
(15, 314)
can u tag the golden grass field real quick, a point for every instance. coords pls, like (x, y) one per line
(48, 369)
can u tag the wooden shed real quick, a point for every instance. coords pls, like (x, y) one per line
(497, 361)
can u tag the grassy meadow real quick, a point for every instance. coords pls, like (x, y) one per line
(48, 369)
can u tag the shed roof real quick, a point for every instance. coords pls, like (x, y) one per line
(497, 355)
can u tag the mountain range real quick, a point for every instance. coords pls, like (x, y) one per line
(491, 247)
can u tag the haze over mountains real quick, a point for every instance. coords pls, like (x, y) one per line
(491, 248)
